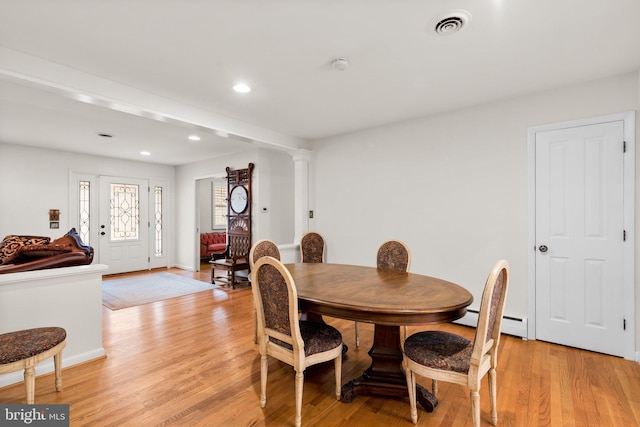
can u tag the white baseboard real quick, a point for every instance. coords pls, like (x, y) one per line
(182, 267)
(47, 367)
(510, 325)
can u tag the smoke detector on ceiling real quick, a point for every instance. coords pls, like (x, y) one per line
(340, 64)
(449, 22)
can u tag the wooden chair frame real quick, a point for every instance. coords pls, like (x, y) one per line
(29, 364)
(264, 247)
(295, 357)
(484, 357)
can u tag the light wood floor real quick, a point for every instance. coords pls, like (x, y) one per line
(191, 361)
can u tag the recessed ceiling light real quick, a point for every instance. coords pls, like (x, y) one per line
(145, 153)
(241, 88)
(194, 138)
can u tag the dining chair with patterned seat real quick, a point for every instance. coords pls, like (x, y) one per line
(282, 336)
(261, 248)
(443, 356)
(392, 255)
(312, 248)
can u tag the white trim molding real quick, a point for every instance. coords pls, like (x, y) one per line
(510, 325)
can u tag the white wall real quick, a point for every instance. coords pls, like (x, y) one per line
(452, 186)
(35, 180)
(274, 195)
(272, 188)
(205, 209)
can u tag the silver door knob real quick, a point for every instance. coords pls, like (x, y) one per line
(543, 248)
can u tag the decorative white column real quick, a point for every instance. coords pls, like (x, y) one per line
(301, 160)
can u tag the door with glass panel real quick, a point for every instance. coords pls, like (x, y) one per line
(124, 224)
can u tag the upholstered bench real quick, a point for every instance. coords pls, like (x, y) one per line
(25, 349)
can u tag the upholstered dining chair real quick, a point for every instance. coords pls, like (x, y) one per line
(264, 247)
(281, 335)
(443, 356)
(392, 255)
(312, 248)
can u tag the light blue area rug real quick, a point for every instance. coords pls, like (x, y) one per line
(143, 289)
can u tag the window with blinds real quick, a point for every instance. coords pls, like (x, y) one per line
(219, 208)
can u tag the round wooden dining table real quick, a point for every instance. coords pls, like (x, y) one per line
(386, 298)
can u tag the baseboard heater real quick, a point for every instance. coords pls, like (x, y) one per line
(510, 325)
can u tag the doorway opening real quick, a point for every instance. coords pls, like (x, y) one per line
(211, 213)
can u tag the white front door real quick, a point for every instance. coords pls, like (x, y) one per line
(579, 237)
(124, 224)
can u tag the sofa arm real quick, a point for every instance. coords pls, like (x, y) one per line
(203, 250)
(68, 259)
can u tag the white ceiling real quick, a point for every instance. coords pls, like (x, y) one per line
(187, 54)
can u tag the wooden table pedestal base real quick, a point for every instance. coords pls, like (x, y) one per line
(385, 376)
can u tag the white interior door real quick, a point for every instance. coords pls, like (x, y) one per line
(124, 224)
(579, 237)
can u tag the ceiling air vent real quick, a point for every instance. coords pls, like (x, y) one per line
(450, 22)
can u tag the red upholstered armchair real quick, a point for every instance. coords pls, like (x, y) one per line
(213, 244)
